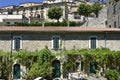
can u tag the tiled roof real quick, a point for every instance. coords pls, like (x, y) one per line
(55, 29)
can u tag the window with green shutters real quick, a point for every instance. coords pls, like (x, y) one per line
(93, 42)
(56, 42)
(16, 42)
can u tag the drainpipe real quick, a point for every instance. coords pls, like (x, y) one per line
(118, 21)
(11, 42)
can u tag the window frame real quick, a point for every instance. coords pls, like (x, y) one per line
(90, 42)
(53, 43)
(13, 42)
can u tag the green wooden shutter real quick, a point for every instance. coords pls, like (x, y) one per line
(56, 42)
(17, 44)
(93, 43)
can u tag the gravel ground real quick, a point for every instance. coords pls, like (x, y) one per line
(93, 78)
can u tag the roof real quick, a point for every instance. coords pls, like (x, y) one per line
(55, 29)
(31, 2)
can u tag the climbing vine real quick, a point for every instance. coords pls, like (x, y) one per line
(39, 63)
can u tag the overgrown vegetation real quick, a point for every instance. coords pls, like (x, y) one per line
(39, 63)
(6, 63)
(112, 75)
(105, 59)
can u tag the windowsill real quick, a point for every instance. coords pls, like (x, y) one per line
(56, 49)
(16, 50)
(92, 48)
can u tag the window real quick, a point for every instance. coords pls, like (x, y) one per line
(55, 42)
(31, 9)
(77, 16)
(114, 24)
(23, 10)
(42, 15)
(93, 42)
(17, 11)
(36, 8)
(8, 23)
(15, 22)
(109, 26)
(36, 14)
(31, 14)
(17, 43)
(10, 12)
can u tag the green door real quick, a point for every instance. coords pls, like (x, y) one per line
(56, 70)
(93, 67)
(16, 71)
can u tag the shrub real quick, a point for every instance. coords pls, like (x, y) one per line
(64, 23)
(47, 23)
(112, 75)
(72, 23)
(56, 23)
(28, 24)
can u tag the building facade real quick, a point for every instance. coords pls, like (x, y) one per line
(32, 10)
(57, 39)
(11, 19)
(16, 38)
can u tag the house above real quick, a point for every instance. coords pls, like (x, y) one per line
(37, 12)
(29, 4)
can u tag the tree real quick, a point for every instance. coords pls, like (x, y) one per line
(85, 10)
(96, 7)
(55, 13)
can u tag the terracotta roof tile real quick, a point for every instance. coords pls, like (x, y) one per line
(55, 29)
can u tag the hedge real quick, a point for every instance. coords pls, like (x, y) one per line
(64, 23)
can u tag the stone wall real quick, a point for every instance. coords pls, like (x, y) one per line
(113, 14)
(99, 21)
